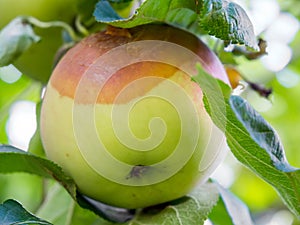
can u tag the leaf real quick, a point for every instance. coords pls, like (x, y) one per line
(225, 20)
(15, 160)
(82, 216)
(11, 212)
(150, 11)
(192, 209)
(236, 209)
(261, 132)
(219, 214)
(215, 97)
(251, 139)
(265, 155)
(228, 21)
(68, 212)
(15, 38)
(26, 188)
(57, 206)
(230, 210)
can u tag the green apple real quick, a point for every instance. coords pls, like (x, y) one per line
(123, 118)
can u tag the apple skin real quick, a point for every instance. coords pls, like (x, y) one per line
(59, 131)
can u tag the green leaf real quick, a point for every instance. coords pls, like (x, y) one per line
(228, 21)
(265, 155)
(219, 214)
(216, 94)
(15, 160)
(11, 212)
(83, 216)
(68, 212)
(236, 209)
(150, 11)
(251, 139)
(261, 132)
(192, 209)
(57, 206)
(230, 210)
(24, 187)
(225, 20)
(15, 38)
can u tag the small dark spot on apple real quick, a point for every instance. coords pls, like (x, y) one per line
(137, 171)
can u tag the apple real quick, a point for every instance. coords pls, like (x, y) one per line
(123, 118)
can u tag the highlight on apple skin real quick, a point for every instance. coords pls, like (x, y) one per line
(123, 118)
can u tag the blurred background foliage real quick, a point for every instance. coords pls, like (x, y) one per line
(277, 22)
